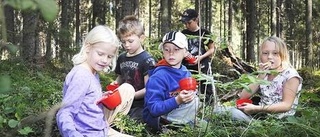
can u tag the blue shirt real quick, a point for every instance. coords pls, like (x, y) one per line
(80, 115)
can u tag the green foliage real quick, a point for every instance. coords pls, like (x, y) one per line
(5, 83)
(129, 126)
(48, 8)
(25, 131)
(32, 93)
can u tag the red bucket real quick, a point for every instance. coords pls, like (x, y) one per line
(239, 102)
(111, 101)
(188, 83)
(190, 59)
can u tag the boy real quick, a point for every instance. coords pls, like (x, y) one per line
(163, 100)
(203, 53)
(133, 65)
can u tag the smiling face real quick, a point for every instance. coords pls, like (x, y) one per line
(173, 54)
(100, 56)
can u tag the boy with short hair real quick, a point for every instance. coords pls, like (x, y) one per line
(133, 65)
(203, 52)
(164, 101)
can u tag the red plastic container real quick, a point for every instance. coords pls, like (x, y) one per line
(188, 83)
(112, 100)
(190, 59)
(112, 87)
(239, 102)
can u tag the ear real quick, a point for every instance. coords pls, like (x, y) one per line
(87, 48)
(142, 37)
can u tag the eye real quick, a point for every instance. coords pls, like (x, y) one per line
(130, 40)
(264, 53)
(100, 54)
(275, 53)
(176, 50)
(110, 56)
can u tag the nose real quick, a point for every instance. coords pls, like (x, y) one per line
(270, 55)
(106, 60)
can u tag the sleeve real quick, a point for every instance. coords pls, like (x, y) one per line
(149, 63)
(207, 34)
(155, 99)
(75, 90)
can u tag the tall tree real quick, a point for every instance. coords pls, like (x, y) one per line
(279, 13)
(29, 38)
(230, 21)
(309, 44)
(165, 16)
(9, 19)
(77, 22)
(273, 20)
(99, 11)
(251, 23)
(65, 31)
(126, 7)
(290, 24)
(243, 28)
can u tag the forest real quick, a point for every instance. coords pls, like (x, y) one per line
(39, 38)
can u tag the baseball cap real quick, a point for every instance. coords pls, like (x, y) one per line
(188, 14)
(175, 37)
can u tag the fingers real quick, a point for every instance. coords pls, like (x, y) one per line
(186, 96)
(265, 66)
(114, 83)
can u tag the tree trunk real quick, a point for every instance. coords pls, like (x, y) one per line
(230, 17)
(279, 12)
(78, 37)
(310, 59)
(165, 14)
(289, 32)
(273, 18)
(29, 38)
(9, 19)
(99, 12)
(65, 32)
(251, 23)
(243, 28)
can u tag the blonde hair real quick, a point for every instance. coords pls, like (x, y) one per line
(281, 47)
(98, 34)
(130, 25)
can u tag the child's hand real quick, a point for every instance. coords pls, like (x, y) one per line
(107, 93)
(263, 67)
(114, 83)
(185, 96)
(248, 108)
(197, 59)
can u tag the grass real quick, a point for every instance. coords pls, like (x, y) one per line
(35, 91)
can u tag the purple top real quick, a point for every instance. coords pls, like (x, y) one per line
(80, 115)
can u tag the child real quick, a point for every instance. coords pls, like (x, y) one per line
(80, 115)
(163, 100)
(133, 65)
(198, 47)
(281, 96)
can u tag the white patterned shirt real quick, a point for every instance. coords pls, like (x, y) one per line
(273, 92)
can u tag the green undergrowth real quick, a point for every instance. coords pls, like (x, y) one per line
(33, 91)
